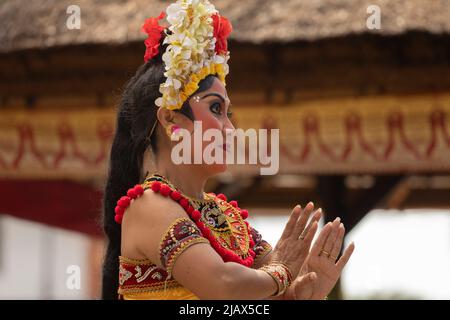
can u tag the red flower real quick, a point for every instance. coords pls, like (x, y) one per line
(222, 30)
(154, 30)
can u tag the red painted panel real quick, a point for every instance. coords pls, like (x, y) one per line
(63, 204)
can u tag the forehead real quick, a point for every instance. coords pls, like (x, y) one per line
(217, 87)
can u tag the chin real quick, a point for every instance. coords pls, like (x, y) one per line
(214, 169)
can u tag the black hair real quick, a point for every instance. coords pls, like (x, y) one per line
(136, 116)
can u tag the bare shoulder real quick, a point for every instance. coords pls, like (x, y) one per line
(145, 222)
(152, 209)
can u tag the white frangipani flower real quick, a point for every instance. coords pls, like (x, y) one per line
(190, 55)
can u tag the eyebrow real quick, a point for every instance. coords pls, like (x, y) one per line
(214, 95)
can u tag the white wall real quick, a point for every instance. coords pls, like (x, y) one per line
(34, 260)
(398, 255)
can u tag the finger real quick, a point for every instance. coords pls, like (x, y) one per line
(316, 217)
(304, 217)
(345, 257)
(318, 245)
(309, 238)
(290, 225)
(338, 243)
(306, 279)
(302, 286)
(332, 236)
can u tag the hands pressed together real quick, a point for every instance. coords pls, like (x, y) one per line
(315, 267)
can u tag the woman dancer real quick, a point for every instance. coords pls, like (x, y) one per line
(168, 238)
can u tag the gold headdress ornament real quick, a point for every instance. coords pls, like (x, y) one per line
(196, 47)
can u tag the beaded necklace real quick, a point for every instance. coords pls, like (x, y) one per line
(221, 222)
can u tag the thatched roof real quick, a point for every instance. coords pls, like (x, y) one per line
(42, 23)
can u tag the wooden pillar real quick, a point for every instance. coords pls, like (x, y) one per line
(335, 201)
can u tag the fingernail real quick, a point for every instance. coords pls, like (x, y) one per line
(338, 219)
(341, 225)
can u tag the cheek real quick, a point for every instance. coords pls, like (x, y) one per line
(207, 118)
(208, 121)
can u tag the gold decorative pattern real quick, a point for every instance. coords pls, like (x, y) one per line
(170, 241)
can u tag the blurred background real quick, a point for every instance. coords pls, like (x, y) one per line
(360, 91)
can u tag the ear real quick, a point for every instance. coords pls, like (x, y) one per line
(168, 117)
(165, 117)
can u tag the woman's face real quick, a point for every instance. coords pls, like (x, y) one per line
(212, 109)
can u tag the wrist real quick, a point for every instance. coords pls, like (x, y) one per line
(281, 274)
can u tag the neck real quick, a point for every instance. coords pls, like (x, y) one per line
(184, 177)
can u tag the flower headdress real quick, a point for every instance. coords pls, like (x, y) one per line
(196, 47)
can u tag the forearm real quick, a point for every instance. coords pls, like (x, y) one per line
(261, 261)
(246, 283)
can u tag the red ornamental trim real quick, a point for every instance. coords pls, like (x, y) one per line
(26, 143)
(158, 187)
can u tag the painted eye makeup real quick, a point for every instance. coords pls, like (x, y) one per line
(215, 108)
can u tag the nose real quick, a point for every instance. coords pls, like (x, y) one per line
(228, 129)
(229, 125)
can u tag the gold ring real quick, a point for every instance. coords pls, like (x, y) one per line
(323, 251)
(302, 237)
(332, 257)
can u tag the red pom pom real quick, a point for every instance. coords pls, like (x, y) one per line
(138, 190)
(252, 253)
(200, 225)
(214, 242)
(234, 203)
(124, 201)
(118, 218)
(196, 215)
(227, 256)
(221, 250)
(206, 232)
(175, 195)
(132, 194)
(189, 210)
(165, 190)
(251, 243)
(235, 258)
(184, 203)
(244, 214)
(222, 196)
(156, 186)
(119, 210)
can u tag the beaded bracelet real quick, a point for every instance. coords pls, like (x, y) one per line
(281, 274)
